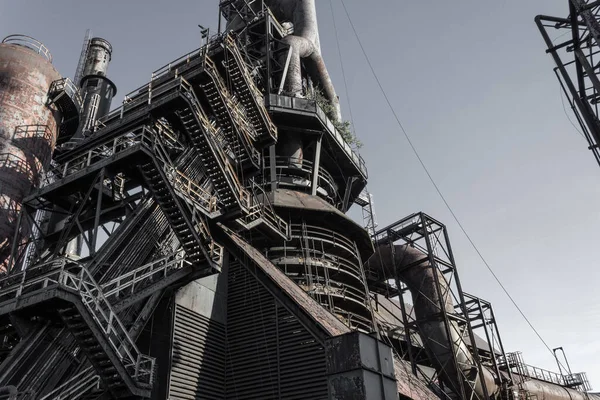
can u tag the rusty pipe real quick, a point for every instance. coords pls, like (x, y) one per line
(305, 46)
(412, 267)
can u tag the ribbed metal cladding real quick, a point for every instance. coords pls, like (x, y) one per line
(198, 361)
(270, 355)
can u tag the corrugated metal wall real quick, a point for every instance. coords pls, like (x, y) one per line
(270, 355)
(198, 359)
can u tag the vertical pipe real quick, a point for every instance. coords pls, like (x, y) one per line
(273, 167)
(316, 166)
(98, 211)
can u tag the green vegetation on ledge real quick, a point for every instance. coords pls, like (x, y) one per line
(344, 127)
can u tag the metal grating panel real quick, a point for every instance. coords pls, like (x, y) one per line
(270, 354)
(198, 363)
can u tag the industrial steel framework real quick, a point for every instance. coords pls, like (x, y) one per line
(186, 168)
(430, 238)
(218, 181)
(482, 319)
(574, 43)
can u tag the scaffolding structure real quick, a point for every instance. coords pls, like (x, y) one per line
(573, 42)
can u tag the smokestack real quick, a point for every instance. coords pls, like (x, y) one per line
(96, 90)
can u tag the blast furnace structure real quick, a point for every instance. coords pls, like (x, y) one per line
(193, 243)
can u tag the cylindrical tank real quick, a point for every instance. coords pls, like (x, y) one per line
(98, 57)
(28, 129)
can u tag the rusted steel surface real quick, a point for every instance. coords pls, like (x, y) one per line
(409, 385)
(322, 317)
(28, 131)
(98, 57)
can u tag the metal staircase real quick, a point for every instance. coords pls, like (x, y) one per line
(65, 96)
(68, 289)
(205, 139)
(189, 227)
(238, 132)
(249, 94)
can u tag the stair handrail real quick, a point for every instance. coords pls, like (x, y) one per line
(242, 194)
(17, 283)
(181, 182)
(228, 98)
(214, 249)
(76, 386)
(268, 210)
(66, 86)
(241, 64)
(173, 261)
(140, 366)
(255, 93)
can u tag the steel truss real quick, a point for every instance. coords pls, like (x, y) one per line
(191, 143)
(481, 316)
(577, 62)
(430, 238)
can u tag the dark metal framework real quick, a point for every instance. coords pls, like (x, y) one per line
(574, 43)
(430, 237)
(481, 316)
(156, 191)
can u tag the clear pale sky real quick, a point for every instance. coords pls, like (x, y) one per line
(476, 92)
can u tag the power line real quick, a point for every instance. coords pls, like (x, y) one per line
(383, 92)
(337, 39)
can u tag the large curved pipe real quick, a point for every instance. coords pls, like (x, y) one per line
(305, 46)
(412, 267)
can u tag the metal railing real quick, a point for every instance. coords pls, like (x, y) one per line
(17, 164)
(190, 190)
(240, 191)
(296, 103)
(145, 136)
(254, 92)
(296, 167)
(235, 110)
(30, 43)
(67, 274)
(323, 235)
(182, 184)
(185, 59)
(139, 366)
(263, 210)
(195, 194)
(128, 283)
(514, 362)
(33, 131)
(69, 88)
